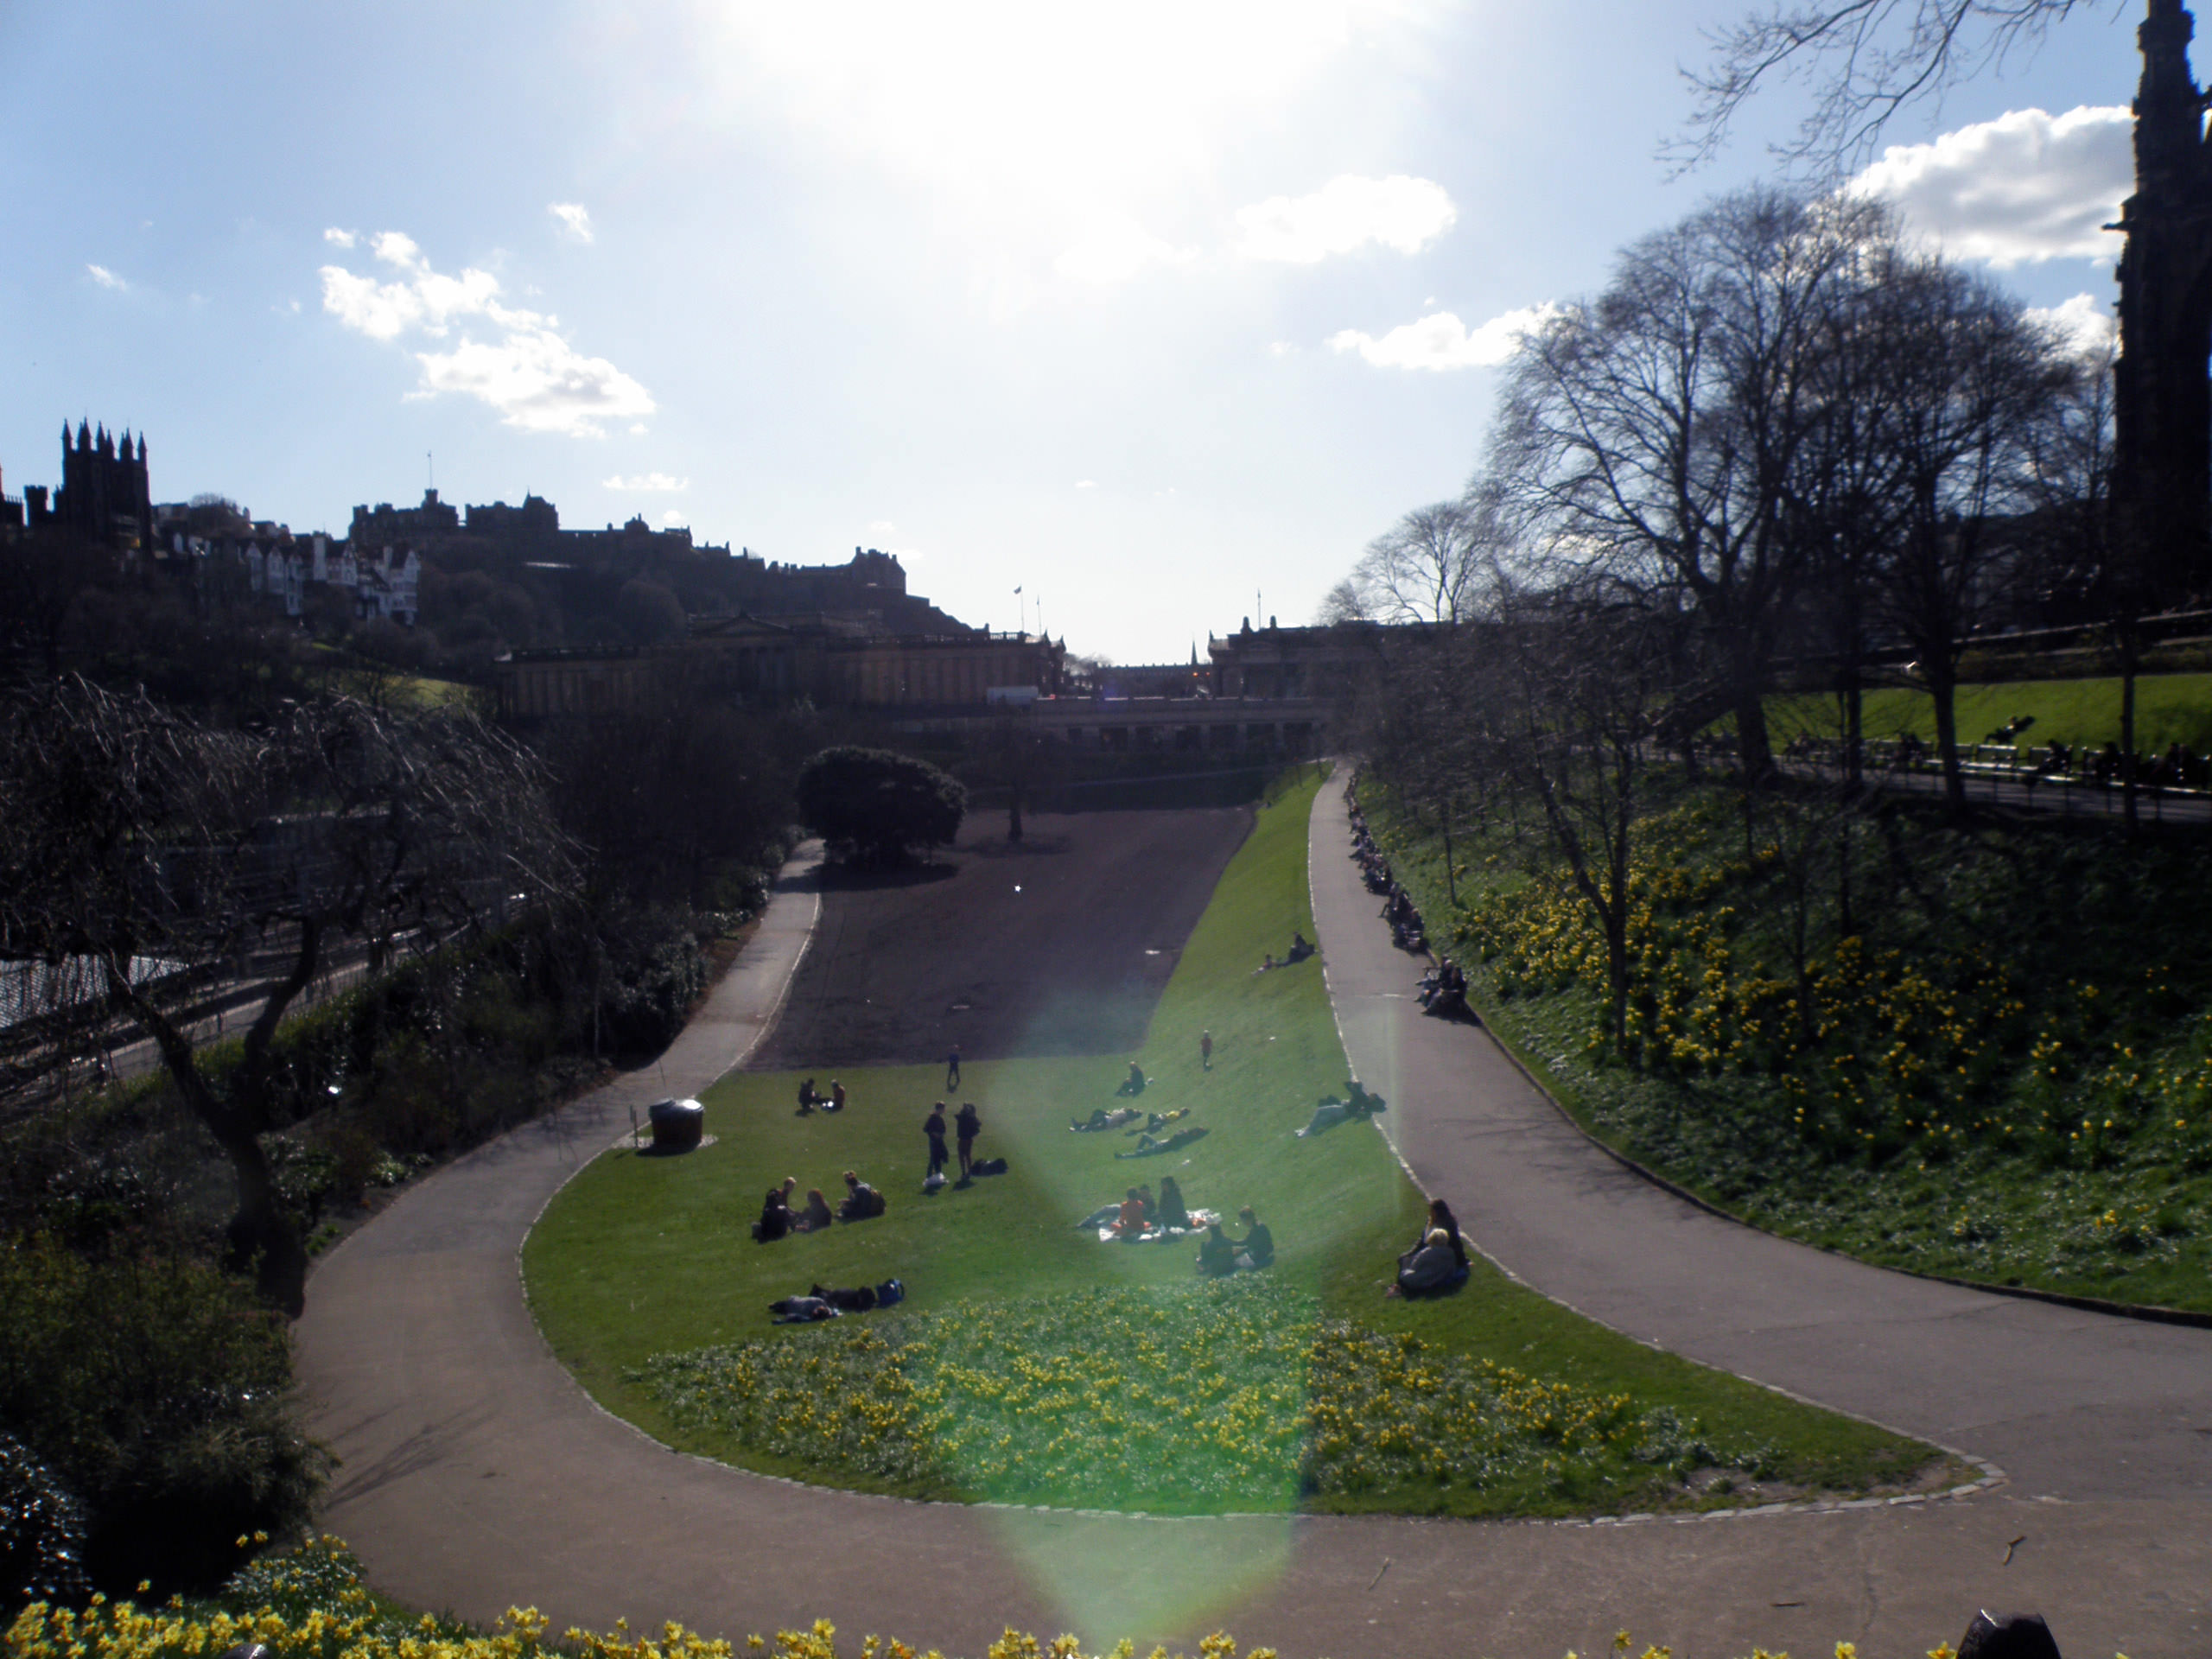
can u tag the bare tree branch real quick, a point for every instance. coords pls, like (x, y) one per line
(1864, 62)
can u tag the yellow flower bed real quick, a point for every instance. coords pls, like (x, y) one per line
(1204, 1397)
(314, 1605)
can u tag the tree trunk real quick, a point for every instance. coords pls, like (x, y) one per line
(1754, 752)
(261, 1234)
(1942, 691)
(1854, 729)
(2127, 807)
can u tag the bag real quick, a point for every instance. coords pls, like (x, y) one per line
(888, 1292)
(935, 1181)
(987, 1166)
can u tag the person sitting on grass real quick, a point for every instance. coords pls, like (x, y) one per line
(1217, 1256)
(860, 1202)
(1172, 1210)
(1256, 1249)
(1441, 1215)
(775, 1212)
(837, 1097)
(816, 1215)
(1134, 1083)
(1130, 1223)
(807, 1098)
(1430, 1269)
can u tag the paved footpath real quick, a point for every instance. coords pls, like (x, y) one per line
(476, 1475)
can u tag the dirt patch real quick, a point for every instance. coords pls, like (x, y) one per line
(1059, 945)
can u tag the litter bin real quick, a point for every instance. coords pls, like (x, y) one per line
(677, 1124)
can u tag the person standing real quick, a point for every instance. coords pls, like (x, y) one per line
(1205, 1050)
(952, 1068)
(969, 1124)
(933, 1127)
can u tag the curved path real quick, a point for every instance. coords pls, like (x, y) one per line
(476, 1475)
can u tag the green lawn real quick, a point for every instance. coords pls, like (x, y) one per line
(2169, 708)
(640, 1257)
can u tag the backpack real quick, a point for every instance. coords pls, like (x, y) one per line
(888, 1292)
(987, 1166)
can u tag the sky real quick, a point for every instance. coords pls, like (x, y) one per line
(1159, 312)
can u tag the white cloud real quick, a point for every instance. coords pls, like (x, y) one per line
(671, 517)
(1115, 248)
(1442, 341)
(647, 483)
(340, 239)
(525, 367)
(2084, 323)
(105, 277)
(1086, 483)
(881, 527)
(572, 215)
(2025, 187)
(1344, 215)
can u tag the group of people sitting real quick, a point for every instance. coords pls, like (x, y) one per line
(812, 1100)
(1140, 1213)
(1438, 1261)
(1219, 1255)
(779, 1220)
(1444, 988)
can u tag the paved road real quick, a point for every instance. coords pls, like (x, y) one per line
(477, 1475)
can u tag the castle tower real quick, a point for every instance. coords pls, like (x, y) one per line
(2162, 482)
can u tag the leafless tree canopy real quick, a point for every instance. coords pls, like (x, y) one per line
(1429, 567)
(128, 831)
(1862, 63)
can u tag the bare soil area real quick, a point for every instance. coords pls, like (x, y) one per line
(1058, 944)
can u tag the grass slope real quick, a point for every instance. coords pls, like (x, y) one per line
(2010, 1079)
(640, 1256)
(2169, 708)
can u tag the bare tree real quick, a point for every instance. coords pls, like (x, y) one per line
(1342, 603)
(1578, 682)
(1865, 61)
(127, 831)
(1429, 567)
(1653, 435)
(1970, 380)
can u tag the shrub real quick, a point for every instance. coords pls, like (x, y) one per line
(874, 807)
(155, 1389)
(42, 1531)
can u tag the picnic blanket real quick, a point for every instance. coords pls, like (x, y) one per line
(1200, 1220)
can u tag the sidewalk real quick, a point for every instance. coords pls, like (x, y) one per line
(2074, 1405)
(477, 1475)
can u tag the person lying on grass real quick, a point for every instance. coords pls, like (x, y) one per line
(1155, 1121)
(1330, 1112)
(1101, 1120)
(860, 1201)
(1147, 1147)
(1430, 1269)
(1256, 1249)
(816, 1215)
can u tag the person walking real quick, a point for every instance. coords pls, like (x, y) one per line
(952, 1068)
(1205, 1050)
(970, 1125)
(933, 1127)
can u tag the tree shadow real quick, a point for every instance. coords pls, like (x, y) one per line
(854, 878)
